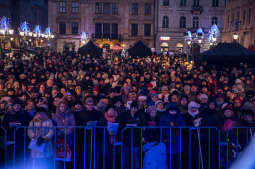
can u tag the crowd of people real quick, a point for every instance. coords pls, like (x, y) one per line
(51, 89)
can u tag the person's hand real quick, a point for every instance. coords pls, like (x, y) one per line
(197, 122)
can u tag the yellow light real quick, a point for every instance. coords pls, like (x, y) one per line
(164, 38)
(235, 36)
(11, 31)
(22, 33)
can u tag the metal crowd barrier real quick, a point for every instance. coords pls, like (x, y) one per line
(237, 138)
(88, 148)
(170, 147)
(129, 148)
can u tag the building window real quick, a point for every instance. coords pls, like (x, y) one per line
(134, 9)
(196, 3)
(115, 10)
(75, 7)
(238, 16)
(106, 30)
(75, 28)
(147, 9)
(182, 22)
(215, 3)
(147, 29)
(165, 22)
(62, 6)
(228, 21)
(107, 8)
(214, 20)
(115, 30)
(244, 17)
(249, 16)
(98, 30)
(183, 2)
(99, 8)
(165, 2)
(195, 22)
(62, 28)
(134, 29)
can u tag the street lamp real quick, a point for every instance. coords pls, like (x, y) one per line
(25, 33)
(48, 35)
(235, 37)
(83, 38)
(5, 31)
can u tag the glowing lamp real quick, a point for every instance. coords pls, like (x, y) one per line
(22, 33)
(11, 31)
(188, 42)
(2, 31)
(235, 36)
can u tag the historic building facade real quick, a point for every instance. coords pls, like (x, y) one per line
(175, 17)
(109, 23)
(240, 20)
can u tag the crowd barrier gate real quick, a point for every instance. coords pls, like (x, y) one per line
(129, 148)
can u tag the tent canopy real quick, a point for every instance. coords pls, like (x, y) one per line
(230, 53)
(91, 49)
(139, 50)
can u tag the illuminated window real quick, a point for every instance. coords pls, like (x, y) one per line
(62, 6)
(75, 7)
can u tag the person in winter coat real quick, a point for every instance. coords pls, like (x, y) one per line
(171, 137)
(64, 118)
(194, 118)
(212, 118)
(40, 132)
(15, 117)
(88, 114)
(249, 101)
(110, 135)
(132, 119)
(229, 117)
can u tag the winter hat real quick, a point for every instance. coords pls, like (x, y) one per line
(238, 99)
(203, 96)
(151, 108)
(226, 106)
(95, 89)
(164, 88)
(149, 85)
(158, 102)
(193, 104)
(154, 95)
(173, 107)
(186, 87)
(238, 81)
(142, 98)
(89, 100)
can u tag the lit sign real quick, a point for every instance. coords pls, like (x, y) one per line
(164, 38)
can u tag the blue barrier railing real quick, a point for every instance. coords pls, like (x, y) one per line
(237, 138)
(184, 147)
(128, 148)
